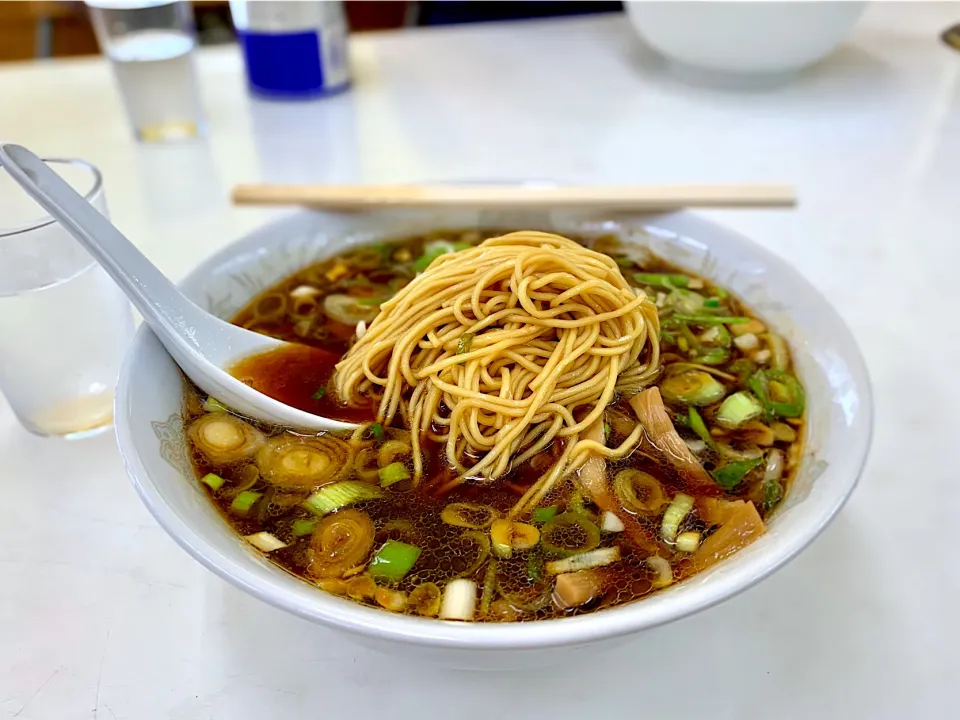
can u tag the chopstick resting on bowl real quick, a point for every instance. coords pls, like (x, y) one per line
(644, 198)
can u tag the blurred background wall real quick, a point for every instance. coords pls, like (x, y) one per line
(30, 29)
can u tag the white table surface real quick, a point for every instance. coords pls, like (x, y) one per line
(101, 615)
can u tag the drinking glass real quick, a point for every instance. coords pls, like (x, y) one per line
(64, 324)
(150, 45)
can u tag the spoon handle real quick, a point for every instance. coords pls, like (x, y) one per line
(148, 289)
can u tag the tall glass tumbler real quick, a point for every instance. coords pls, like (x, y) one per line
(64, 324)
(150, 45)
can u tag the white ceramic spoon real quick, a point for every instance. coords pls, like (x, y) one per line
(202, 344)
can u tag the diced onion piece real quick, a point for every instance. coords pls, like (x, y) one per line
(265, 541)
(783, 432)
(361, 329)
(688, 541)
(459, 600)
(747, 342)
(339, 495)
(584, 561)
(664, 573)
(393, 600)
(304, 291)
(361, 587)
(761, 357)
(754, 326)
(611, 523)
(696, 446)
(678, 509)
(774, 468)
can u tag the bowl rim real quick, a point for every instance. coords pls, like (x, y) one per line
(583, 629)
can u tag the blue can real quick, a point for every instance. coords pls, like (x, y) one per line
(293, 49)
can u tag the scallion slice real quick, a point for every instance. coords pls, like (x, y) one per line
(304, 526)
(677, 510)
(339, 495)
(244, 501)
(543, 514)
(393, 473)
(393, 561)
(213, 481)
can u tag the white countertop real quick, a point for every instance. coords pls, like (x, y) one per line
(102, 616)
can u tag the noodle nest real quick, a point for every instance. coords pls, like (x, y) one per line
(499, 350)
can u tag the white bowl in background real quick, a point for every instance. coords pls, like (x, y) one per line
(744, 38)
(152, 442)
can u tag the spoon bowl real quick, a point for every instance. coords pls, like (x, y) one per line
(201, 344)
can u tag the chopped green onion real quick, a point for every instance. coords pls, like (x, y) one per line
(584, 561)
(489, 587)
(535, 566)
(664, 280)
(606, 431)
(393, 473)
(743, 369)
(576, 504)
(692, 387)
(464, 343)
(739, 408)
(543, 514)
(211, 404)
(700, 427)
(244, 501)
(714, 356)
(340, 494)
(213, 481)
(731, 474)
(677, 510)
(772, 494)
(569, 533)
(664, 573)
(458, 246)
(304, 526)
(377, 431)
(393, 560)
(779, 391)
(624, 262)
(319, 393)
(712, 319)
(685, 301)
(688, 542)
(712, 302)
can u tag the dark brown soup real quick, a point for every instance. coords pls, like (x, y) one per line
(343, 513)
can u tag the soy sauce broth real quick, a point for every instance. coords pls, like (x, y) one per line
(297, 310)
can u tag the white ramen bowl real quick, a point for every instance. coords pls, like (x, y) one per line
(152, 441)
(744, 38)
